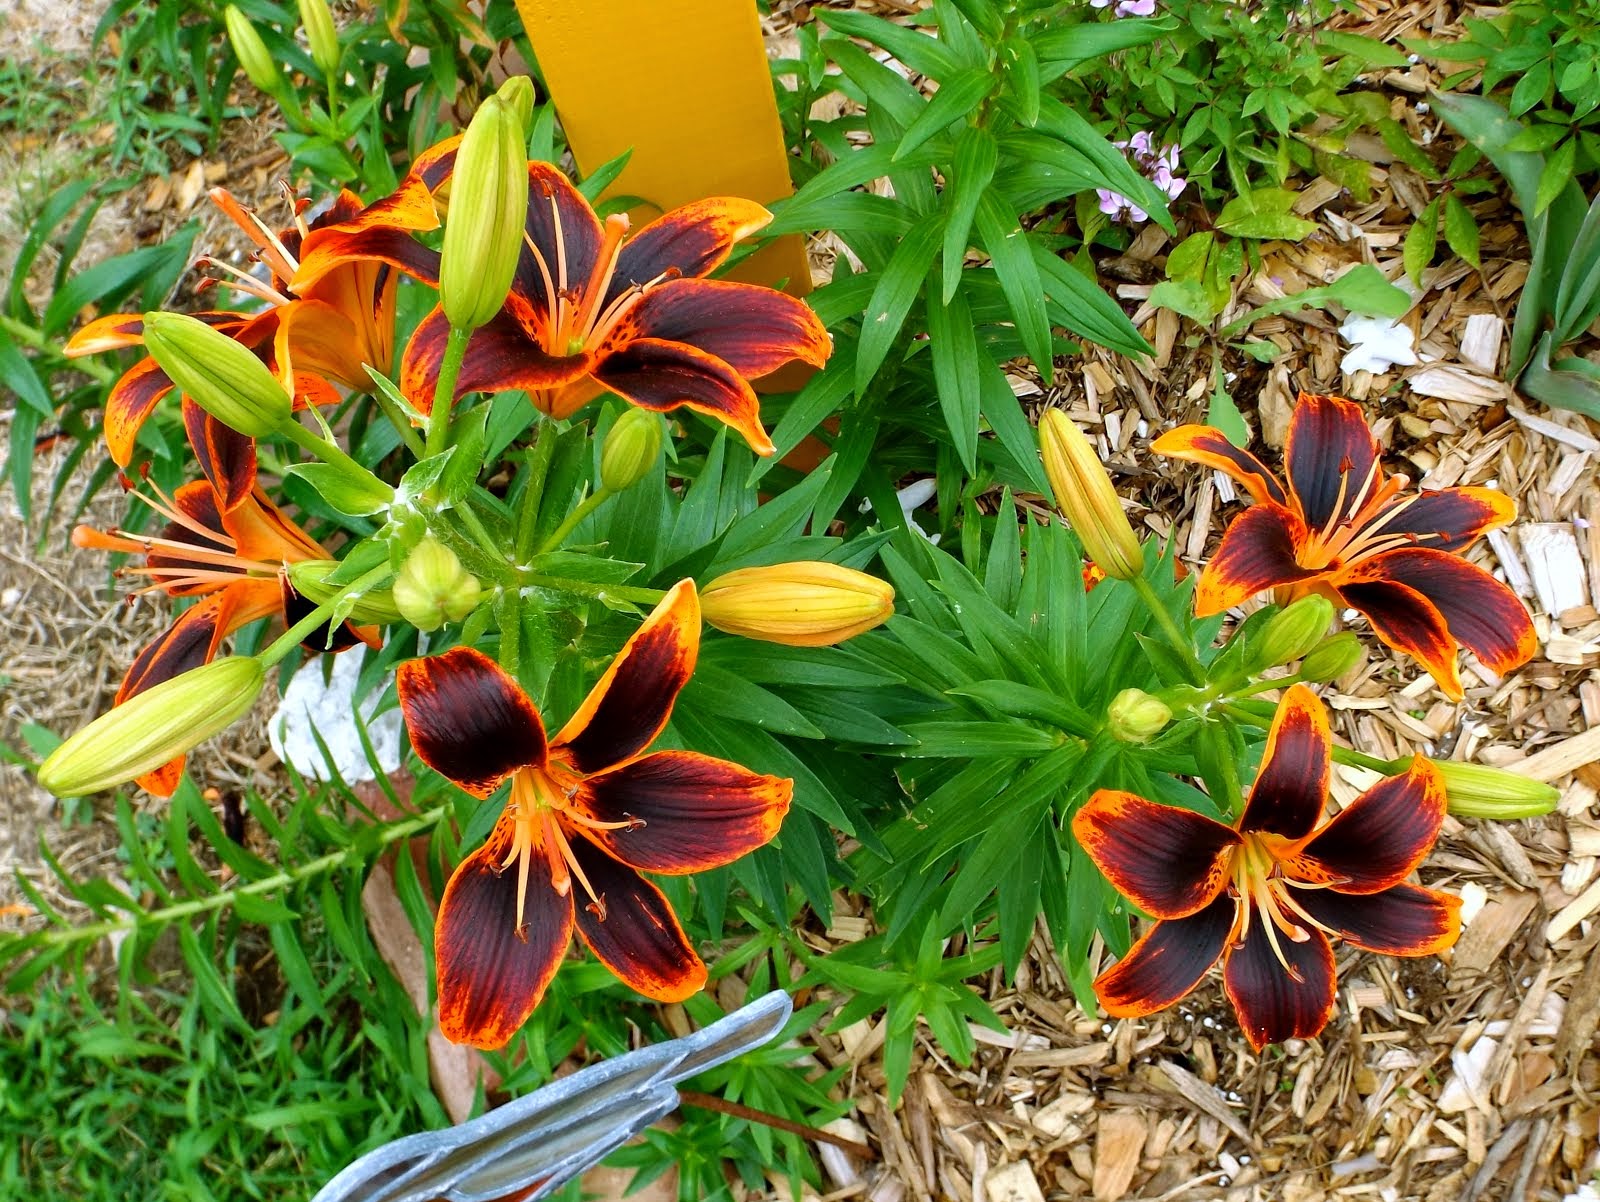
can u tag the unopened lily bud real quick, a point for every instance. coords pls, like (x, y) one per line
(630, 450)
(153, 727)
(517, 93)
(320, 34)
(484, 225)
(252, 52)
(1292, 633)
(1479, 791)
(221, 376)
(1135, 716)
(1085, 495)
(433, 588)
(310, 579)
(802, 604)
(1331, 658)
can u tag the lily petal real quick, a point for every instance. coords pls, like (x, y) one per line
(638, 936)
(1330, 456)
(1378, 840)
(1406, 920)
(468, 720)
(630, 704)
(1169, 862)
(564, 232)
(1450, 519)
(1204, 444)
(330, 250)
(227, 458)
(491, 975)
(753, 330)
(696, 812)
(315, 337)
(1257, 553)
(1167, 962)
(1275, 1002)
(109, 333)
(1291, 789)
(1405, 620)
(132, 399)
(691, 240)
(501, 356)
(659, 375)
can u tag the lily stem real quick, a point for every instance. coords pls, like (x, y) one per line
(297, 633)
(331, 454)
(400, 422)
(583, 509)
(444, 392)
(588, 588)
(1181, 643)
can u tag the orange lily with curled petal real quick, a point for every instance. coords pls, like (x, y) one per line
(233, 561)
(592, 310)
(588, 810)
(1264, 895)
(1340, 529)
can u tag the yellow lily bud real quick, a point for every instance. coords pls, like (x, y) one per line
(217, 373)
(1332, 658)
(484, 225)
(1292, 633)
(321, 35)
(309, 578)
(1135, 716)
(433, 588)
(1085, 495)
(252, 52)
(153, 727)
(801, 604)
(517, 92)
(630, 450)
(1479, 791)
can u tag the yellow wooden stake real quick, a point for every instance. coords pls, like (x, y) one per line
(684, 84)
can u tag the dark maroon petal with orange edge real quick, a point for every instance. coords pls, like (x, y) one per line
(1379, 838)
(631, 928)
(1292, 787)
(341, 638)
(659, 375)
(629, 706)
(1167, 962)
(1406, 920)
(196, 503)
(1330, 457)
(109, 333)
(468, 720)
(1207, 445)
(1277, 1001)
(692, 240)
(188, 643)
(1168, 862)
(1405, 620)
(695, 812)
(1257, 553)
(328, 250)
(501, 355)
(492, 974)
(1482, 614)
(753, 330)
(227, 458)
(132, 399)
(565, 232)
(1450, 519)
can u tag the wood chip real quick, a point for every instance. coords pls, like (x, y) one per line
(1203, 1097)
(1119, 1138)
(1013, 1182)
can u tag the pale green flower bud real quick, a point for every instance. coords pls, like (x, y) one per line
(630, 450)
(1479, 791)
(1136, 716)
(433, 588)
(1331, 658)
(1292, 633)
(517, 93)
(217, 373)
(310, 576)
(153, 727)
(321, 35)
(254, 57)
(484, 225)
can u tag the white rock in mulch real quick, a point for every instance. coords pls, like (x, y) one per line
(1376, 345)
(328, 708)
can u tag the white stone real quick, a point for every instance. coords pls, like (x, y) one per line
(329, 709)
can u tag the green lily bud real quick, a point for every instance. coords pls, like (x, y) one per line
(320, 33)
(630, 450)
(1331, 658)
(153, 727)
(484, 225)
(1291, 633)
(252, 52)
(433, 588)
(310, 579)
(1136, 716)
(1479, 791)
(517, 93)
(217, 373)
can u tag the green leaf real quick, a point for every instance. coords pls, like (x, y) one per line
(1061, 121)
(1371, 51)
(897, 290)
(1187, 298)
(1422, 240)
(1365, 290)
(923, 54)
(1012, 252)
(1022, 77)
(975, 740)
(1224, 415)
(356, 496)
(953, 343)
(1264, 214)
(1556, 175)
(1083, 308)
(1061, 49)
(971, 171)
(951, 103)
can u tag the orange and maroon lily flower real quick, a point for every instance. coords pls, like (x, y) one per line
(1264, 895)
(328, 331)
(591, 311)
(231, 560)
(1340, 529)
(588, 809)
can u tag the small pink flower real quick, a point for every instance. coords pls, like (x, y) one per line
(1157, 165)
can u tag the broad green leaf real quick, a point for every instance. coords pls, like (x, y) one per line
(1264, 214)
(353, 495)
(1224, 415)
(1422, 240)
(1461, 230)
(1556, 175)
(1085, 309)
(1061, 49)
(1370, 51)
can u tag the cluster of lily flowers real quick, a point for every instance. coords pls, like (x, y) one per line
(539, 294)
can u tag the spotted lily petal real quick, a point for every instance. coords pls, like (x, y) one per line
(753, 330)
(502, 354)
(1450, 519)
(227, 458)
(1406, 620)
(1405, 920)
(1331, 457)
(468, 720)
(1210, 446)
(1378, 839)
(692, 240)
(1169, 862)
(659, 375)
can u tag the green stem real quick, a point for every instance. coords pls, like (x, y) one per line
(535, 468)
(444, 392)
(480, 534)
(331, 454)
(588, 588)
(584, 508)
(278, 880)
(400, 422)
(297, 633)
(1169, 627)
